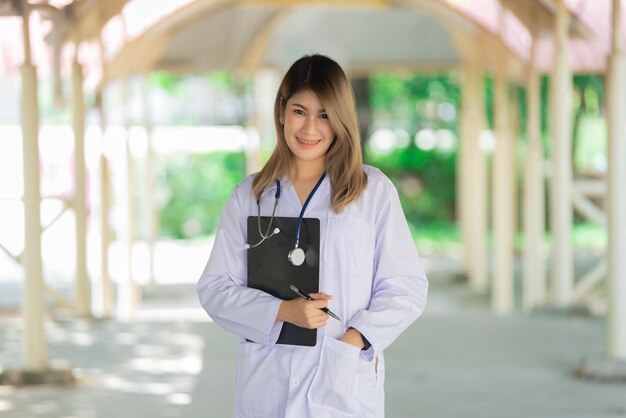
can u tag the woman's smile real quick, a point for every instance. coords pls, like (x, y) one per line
(308, 143)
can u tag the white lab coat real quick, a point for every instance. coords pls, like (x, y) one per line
(370, 266)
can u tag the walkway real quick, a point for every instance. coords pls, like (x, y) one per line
(457, 361)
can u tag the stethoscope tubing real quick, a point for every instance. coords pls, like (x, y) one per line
(296, 253)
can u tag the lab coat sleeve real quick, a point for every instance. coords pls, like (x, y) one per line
(222, 291)
(400, 285)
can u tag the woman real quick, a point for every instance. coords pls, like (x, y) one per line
(368, 262)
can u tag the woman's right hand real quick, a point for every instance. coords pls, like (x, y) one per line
(305, 313)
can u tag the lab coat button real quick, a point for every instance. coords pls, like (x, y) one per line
(295, 382)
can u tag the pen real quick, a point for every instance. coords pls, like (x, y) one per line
(307, 297)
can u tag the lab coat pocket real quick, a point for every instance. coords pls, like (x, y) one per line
(345, 249)
(368, 385)
(335, 383)
(255, 381)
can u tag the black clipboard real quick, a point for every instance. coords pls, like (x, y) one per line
(270, 270)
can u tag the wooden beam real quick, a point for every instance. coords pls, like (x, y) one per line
(587, 208)
(534, 15)
(89, 17)
(297, 3)
(488, 51)
(252, 58)
(138, 56)
(590, 280)
(143, 53)
(539, 19)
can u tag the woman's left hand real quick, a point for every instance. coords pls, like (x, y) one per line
(353, 337)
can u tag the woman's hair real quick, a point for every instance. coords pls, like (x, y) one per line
(344, 160)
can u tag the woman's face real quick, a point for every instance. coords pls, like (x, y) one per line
(306, 126)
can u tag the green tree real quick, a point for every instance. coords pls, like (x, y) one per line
(193, 190)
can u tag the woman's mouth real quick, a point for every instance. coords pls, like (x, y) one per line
(308, 143)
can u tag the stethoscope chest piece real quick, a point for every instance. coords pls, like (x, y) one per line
(296, 256)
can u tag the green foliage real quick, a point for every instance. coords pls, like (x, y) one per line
(168, 82)
(193, 190)
(489, 100)
(425, 179)
(416, 102)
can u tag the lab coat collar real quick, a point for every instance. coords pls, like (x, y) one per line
(288, 192)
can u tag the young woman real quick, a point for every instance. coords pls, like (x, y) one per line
(370, 274)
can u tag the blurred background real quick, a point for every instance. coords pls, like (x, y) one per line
(125, 125)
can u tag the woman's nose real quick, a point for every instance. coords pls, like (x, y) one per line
(310, 125)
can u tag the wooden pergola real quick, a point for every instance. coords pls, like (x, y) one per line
(514, 41)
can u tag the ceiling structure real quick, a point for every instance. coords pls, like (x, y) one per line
(196, 36)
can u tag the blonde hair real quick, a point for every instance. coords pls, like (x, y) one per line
(344, 160)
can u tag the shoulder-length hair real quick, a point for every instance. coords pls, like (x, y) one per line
(344, 160)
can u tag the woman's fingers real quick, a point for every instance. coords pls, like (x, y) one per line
(317, 304)
(320, 296)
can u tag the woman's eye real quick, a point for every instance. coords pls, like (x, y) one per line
(299, 111)
(324, 116)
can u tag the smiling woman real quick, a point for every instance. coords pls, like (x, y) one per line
(307, 129)
(363, 255)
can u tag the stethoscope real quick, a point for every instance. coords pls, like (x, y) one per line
(297, 255)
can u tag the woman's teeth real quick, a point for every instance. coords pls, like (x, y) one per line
(302, 141)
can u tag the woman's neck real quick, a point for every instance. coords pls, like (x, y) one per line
(309, 170)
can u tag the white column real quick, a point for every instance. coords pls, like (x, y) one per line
(462, 174)
(616, 196)
(475, 184)
(128, 290)
(534, 277)
(503, 190)
(151, 203)
(82, 291)
(264, 82)
(561, 180)
(105, 203)
(105, 236)
(34, 338)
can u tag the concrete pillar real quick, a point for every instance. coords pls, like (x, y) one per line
(534, 277)
(82, 291)
(105, 203)
(263, 82)
(503, 191)
(151, 203)
(34, 339)
(128, 290)
(463, 180)
(474, 181)
(561, 177)
(266, 83)
(616, 196)
(105, 238)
